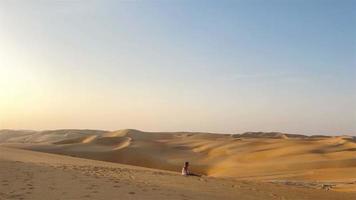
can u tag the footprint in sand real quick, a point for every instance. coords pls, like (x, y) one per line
(90, 187)
(273, 195)
(5, 184)
(51, 188)
(86, 196)
(132, 193)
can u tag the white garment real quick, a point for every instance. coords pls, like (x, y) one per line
(185, 171)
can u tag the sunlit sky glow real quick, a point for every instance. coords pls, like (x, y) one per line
(217, 66)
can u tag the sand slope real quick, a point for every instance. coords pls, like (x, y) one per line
(316, 161)
(34, 175)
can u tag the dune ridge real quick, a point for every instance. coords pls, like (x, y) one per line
(270, 156)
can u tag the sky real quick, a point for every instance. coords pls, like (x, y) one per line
(179, 65)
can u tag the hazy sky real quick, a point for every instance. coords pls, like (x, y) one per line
(171, 65)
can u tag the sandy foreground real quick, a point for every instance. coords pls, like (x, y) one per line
(27, 174)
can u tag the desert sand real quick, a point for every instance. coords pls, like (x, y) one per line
(131, 164)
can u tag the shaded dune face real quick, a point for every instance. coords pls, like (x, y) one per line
(255, 155)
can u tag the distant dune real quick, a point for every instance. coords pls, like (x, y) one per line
(315, 161)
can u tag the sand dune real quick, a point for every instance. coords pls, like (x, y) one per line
(41, 176)
(312, 161)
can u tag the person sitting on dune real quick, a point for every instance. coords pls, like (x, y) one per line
(186, 172)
